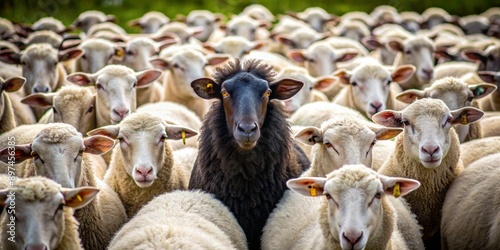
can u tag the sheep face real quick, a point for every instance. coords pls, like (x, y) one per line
(355, 199)
(98, 53)
(419, 52)
(245, 97)
(138, 52)
(116, 90)
(427, 123)
(89, 18)
(150, 22)
(244, 26)
(204, 19)
(40, 219)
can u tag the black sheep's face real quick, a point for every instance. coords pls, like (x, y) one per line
(245, 98)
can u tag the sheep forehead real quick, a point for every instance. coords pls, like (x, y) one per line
(57, 133)
(92, 14)
(428, 108)
(451, 84)
(419, 42)
(189, 57)
(97, 44)
(370, 71)
(352, 177)
(115, 70)
(143, 121)
(40, 50)
(72, 94)
(320, 48)
(234, 43)
(36, 188)
(200, 14)
(141, 41)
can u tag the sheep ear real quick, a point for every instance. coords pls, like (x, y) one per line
(384, 133)
(10, 57)
(371, 42)
(217, 59)
(466, 115)
(409, 96)
(487, 76)
(258, 45)
(285, 88)
(297, 55)
(403, 73)
(343, 76)
(206, 88)
(193, 31)
(3, 197)
(443, 54)
(285, 41)
(309, 136)
(388, 118)
(307, 186)
(481, 90)
(109, 131)
(134, 22)
(80, 78)
(345, 55)
(39, 100)
(21, 153)
(395, 45)
(175, 132)
(145, 77)
(79, 197)
(98, 144)
(209, 46)
(12, 84)
(324, 83)
(165, 43)
(160, 63)
(474, 56)
(111, 18)
(405, 185)
(70, 54)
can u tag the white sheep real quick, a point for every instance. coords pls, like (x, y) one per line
(470, 210)
(411, 20)
(352, 208)
(247, 27)
(138, 52)
(142, 166)
(456, 94)
(7, 28)
(43, 214)
(205, 19)
(342, 140)
(313, 114)
(383, 14)
(474, 24)
(41, 68)
(182, 67)
(150, 22)
(434, 16)
(7, 117)
(316, 17)
(106, 27)
(236, 46)
(49, 23)
(116, 90)
(98, 53)
(258, 12)
(381, 36)
(367, 88)
(359, 16)
(300, 38)
(476, 149)
(419, 52)
(428, 150)
(60, 153)
(89, 18)
(181, 30)
(454, 69)
(352, 29)
(310, 92)
(189, 220)
(73, 105)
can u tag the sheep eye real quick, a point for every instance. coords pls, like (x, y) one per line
(406, 122)
(130, 53)
(54, 110)
(388, 82)
(83, 56)
(378, 195)
(59, 208)
(225, 94)
(408, 52)
(328, 196)
(354, 84)
(310, 88)
(23, 63)
(311, 60)
(99, 86)
(91, 109)
(469, 98)
(328, 145)
(268, 93)
(373, 143)
(134, 85)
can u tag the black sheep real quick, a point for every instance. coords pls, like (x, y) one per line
(246, 153)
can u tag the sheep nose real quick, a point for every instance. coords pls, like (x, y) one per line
(428, 72)
(353, 237)
(430, 149)
(376, 105)
(41, 89)
(247, 128)
(36, 247)
(143, 170)
(121, 112)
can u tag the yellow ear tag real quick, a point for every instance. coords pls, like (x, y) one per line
(119, 53)
(312, 191)
(79, 197)
(210, 88)
(397, 190)
(463, 119)
(183, 133)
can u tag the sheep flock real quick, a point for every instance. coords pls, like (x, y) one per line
(258, 130)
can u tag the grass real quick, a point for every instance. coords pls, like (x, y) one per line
(28, 11)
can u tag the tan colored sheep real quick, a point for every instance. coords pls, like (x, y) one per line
(37, 199)
(470, 211)
(7, 117)
(189, 220)
(142, 165)
(352, 208)
(473, 150)
(456, 94)
(428, 150)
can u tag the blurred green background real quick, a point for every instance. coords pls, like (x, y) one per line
(28, 11)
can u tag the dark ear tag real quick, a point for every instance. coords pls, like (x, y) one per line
(479, 91)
